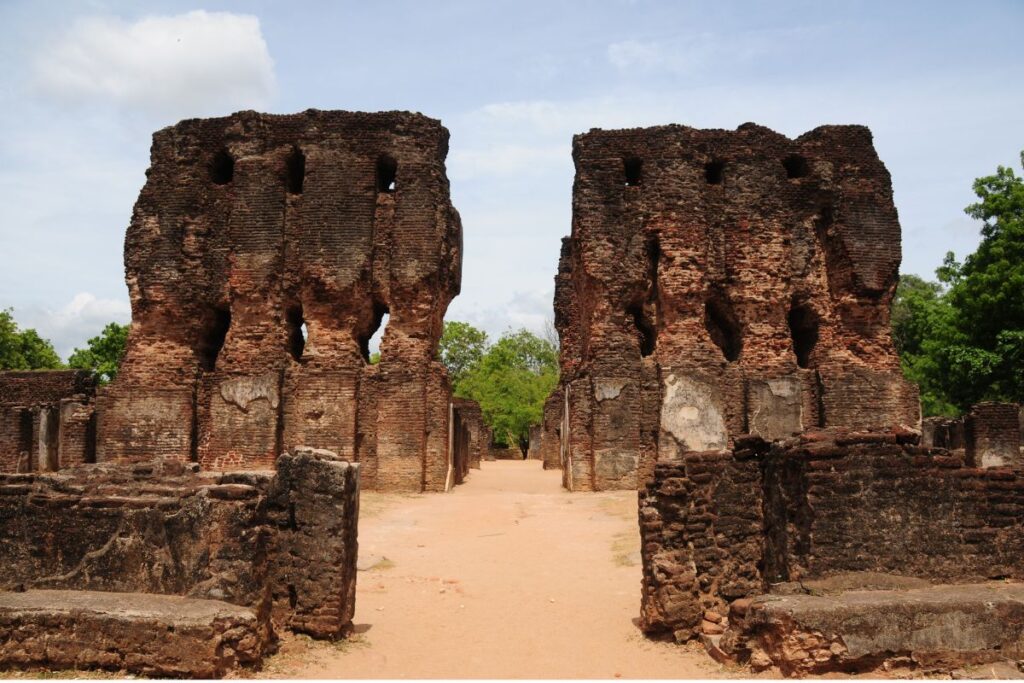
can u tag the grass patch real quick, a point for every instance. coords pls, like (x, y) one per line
(382, 565)
(626, 549)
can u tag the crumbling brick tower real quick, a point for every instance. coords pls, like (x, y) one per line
(723, 282)
(263, 253)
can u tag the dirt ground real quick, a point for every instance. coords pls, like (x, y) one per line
(508, 576)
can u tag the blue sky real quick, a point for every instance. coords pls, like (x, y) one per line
(83, 86)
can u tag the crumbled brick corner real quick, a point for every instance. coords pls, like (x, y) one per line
(314, 509)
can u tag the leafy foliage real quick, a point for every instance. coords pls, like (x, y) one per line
(24, 349)
(102, 354)
(462, 346)
(963, 340)
(509, 379)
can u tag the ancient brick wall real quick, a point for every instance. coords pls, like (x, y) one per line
(719, 526)
(993, 435)
(46, 419)
(551, 431)
(285, 541)
(724, 282)
(477, 435)
(264, 252)
(701, 530)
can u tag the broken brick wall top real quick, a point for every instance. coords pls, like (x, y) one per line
(730, 258)
(31, 388)
(252, 225)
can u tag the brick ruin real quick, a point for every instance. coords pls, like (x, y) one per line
(723, 309)
(214, 483)
(46, 420)
(263, 255)
(723, 306)
(719, 283)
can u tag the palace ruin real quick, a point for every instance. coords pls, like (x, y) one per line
(719, 283)
(723, 307)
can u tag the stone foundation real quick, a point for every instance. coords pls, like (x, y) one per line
(933, 630)
(153, 635)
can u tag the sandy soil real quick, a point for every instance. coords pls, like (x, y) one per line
(508, 576)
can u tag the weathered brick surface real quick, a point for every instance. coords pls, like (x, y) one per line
(263, 253)
(943, 520)
(257, 539)
(930, 630)
(311, 557)
(473, 439)
(551, 430)
(154, 635)
(701, 532)
(725, 525)
(993, 435)
(46, 419)
(34, 387)
(724, 282)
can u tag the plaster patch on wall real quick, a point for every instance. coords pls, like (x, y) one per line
(691, 415)
(241, 391)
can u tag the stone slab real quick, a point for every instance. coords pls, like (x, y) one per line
(154, 635)
(939, 629)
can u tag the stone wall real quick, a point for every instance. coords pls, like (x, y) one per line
(993, 434)
(989, 435)
(46, 419)
(282, 543)
(719, 283)
(860, 508)
(263, 254)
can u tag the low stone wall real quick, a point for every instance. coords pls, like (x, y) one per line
(284, 541)
(724, 525)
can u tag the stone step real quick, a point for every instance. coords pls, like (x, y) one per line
(936, 629)
(154, 635)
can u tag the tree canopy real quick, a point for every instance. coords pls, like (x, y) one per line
(510, 379)
(24, 349)
(102, 354)
(462, 346)
(962, 338)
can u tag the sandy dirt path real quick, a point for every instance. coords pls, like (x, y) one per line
(508, 576)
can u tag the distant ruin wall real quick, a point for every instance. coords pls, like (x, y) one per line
(724, 525)
(263, 254)
(46, 419)
(719, 283)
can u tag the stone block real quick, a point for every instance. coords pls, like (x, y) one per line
(163, 636)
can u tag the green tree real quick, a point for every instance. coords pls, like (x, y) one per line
(24, 349)
(511, 382)
(965, 344)
(102, 354)
(461, 347)
(921, 316)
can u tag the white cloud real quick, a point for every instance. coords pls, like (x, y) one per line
(531, 309)
(72, 326)
(192, 64)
